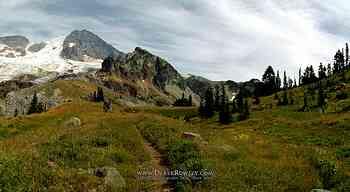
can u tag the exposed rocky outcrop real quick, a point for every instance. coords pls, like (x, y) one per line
(19, 101)
(73, 122)
(83, 45)
(142, 65)
(14, 46)
(37, 47)
(13, 85)
(146, 76)
(200, 84)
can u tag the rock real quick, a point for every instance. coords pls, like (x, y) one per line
(73, 122)
(16, 44)
(13, 85)
(320, 190)
(113, 181)
(191, 136)
(82, 45)
(37, 47)
(107, 106)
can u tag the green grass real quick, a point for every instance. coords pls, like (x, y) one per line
(276, 149)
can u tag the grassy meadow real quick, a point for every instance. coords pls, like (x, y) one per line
(277, 149)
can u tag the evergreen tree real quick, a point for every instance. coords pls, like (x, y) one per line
(33, 105)
(100, 95)
(224, 113)
(269, 80)
(329, 70)
(209, 103)
(190, 103)
(300, 77)
(309, 76)
(290, 83)
(338, 62)
(285, 82)
(217, 98)
(239, 100)
(347, 55)
(16, 112)
(322, 72)
(278, 81)
(245, 112)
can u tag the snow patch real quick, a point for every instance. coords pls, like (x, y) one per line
(70, 45)
(46, 60)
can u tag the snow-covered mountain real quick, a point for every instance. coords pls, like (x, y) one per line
(50, 57)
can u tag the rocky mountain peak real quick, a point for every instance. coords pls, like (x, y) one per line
(84, 45)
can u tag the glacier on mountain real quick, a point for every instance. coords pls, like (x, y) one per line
(47, 60)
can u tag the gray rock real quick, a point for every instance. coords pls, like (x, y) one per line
(37, 47)
(15, 41)
(320, 190)
(107, 106)
(191, 136)
(73, 122)
(113, 181)
(80, 44)
(20, 100)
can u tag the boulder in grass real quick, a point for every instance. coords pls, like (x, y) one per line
(73, 122)
(320, 190)
(191, 136)
(113, 181)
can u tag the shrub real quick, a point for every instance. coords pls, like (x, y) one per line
(341, 95)
(184, 155)
(343, 152)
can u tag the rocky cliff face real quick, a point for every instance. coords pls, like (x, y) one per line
(19, 101)
(199, 85)
(84, 45)
(142, 65)
(149, 74)
(13, 46)
(37, 47)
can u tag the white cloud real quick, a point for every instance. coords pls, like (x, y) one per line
(220, 39)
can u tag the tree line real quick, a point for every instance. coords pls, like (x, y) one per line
(216, 101)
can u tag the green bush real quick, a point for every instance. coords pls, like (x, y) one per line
(343, 152)
(184, 155)
(181, 151)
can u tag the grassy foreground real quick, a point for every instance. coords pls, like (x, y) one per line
(277, 149)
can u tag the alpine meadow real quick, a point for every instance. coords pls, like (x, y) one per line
(160, 96)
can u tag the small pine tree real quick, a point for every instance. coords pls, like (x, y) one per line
(190, 103)
(245, 112)
(16, 113)
(100, 95)
(224, 113)
(33, 105)
(209, 103)
(217, 103)
(239, 101)
(285, 98)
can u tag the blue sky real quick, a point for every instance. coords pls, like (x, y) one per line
(220, 40)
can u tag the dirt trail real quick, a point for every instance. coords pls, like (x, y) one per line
(158, 163)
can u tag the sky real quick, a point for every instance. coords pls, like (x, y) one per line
(219, 40)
